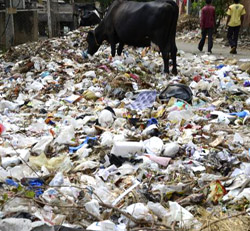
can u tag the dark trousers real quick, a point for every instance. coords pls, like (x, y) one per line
(204, 33)
(232, 35)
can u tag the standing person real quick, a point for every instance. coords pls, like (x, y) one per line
(207, 24)
(235, 17)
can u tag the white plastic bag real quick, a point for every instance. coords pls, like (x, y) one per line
(106, 118)
(154, 146)
(66, 135)
(42, 145)
(158, 209)
(103, 226)
(127, 149)
(107, 139)
(180, 214)
(171, 149)
(139, 211)
(93, 207)
(57, 180)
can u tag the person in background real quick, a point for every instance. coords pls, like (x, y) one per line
(207, 24)
(235, 17)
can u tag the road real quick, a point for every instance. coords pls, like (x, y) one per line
(218, 50)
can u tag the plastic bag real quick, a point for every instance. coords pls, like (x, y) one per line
(158, 209)
(42, 145)
(107, 139)
(103, 226)
(57, 180)
(66, 135)
(139, 211)
(154, 145)
(51, 164)
(179, 91)
(106, 118)
(171, 149)
(93, 207)
(217, 191)
(180, 214)
(127, 149)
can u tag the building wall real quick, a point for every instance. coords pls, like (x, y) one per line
(25, 26)
(246, 22)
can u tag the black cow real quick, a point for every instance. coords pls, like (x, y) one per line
(90, 18)
(138, 24)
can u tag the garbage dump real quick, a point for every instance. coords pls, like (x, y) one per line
(113, 144)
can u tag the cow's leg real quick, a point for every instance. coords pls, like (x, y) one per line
(112, 40)
(113, 48)
(165, 56)
(120, 48)
(173, 57)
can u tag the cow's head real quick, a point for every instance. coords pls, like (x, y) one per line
(93, 45)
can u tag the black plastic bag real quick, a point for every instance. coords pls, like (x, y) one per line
(179, 91)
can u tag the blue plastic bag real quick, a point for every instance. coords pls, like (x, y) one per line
(152, 121)
(11, 182)
(241, 114)
(74, 149)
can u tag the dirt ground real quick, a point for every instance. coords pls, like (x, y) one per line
(218, 50)
(189, 34)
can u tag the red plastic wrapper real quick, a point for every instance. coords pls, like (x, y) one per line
(197, 78)
(2, 128)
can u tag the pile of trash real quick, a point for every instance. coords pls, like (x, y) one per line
(188, 28)
(187, 23)
(244, 41)
(102, 143)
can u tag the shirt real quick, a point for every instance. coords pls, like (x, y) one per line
(235, 11)
(207, 17)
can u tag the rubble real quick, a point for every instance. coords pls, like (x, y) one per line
(102, 143)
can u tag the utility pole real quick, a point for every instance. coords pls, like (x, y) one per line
(188, 7)
(49, 18)
(9, 24)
